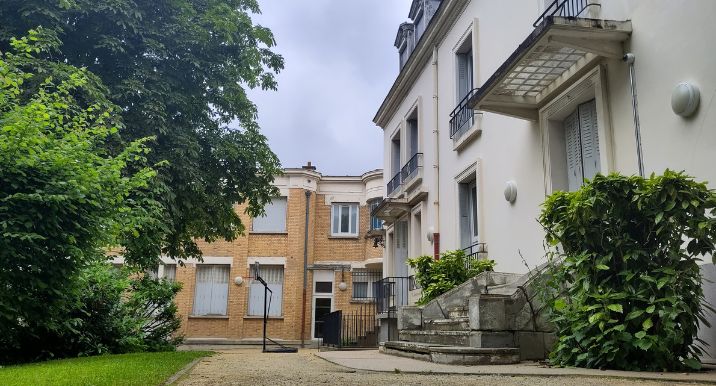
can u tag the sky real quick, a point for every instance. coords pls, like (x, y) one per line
(340, 63)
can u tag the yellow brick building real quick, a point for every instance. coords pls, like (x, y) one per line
(220, 302)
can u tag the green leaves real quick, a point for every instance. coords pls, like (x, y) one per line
(439, 276)
(180, 72)
(64, 197)
(633, 285)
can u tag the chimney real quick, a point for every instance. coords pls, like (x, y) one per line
(308, 166)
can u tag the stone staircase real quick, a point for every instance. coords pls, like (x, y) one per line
(493, 318)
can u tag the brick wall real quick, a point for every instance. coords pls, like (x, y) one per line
(289, 245)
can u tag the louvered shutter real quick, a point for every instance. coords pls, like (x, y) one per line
(590, 138)
(462, 75)
(574, 152)
(464, 198)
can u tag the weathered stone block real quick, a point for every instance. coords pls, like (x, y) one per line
(410, 318)
(487, 312)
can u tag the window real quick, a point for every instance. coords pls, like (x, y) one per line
(375, 222)
(212, 289)
(582, 143)
(365, 283)
(412, 133)
(344, 220)
(163, 271)
(273, 275)
(275, 218)
(468, 213)
(419, 26)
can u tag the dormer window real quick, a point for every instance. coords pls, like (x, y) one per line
(405, 42)
(421, 11)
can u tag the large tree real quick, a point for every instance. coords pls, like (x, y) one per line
(179, 70)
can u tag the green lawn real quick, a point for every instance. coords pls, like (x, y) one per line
(124, 369)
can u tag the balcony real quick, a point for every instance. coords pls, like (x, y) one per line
(393, 188)
(462, 117)
(474, 252)
(562, 48)
(412, 172)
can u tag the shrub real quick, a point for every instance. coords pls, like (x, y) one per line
(439, 276)
(628, 285)
(109, 311)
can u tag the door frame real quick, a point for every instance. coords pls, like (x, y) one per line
(321, 275)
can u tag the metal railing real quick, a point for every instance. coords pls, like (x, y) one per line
(564, 8)
(392, 293)
(365, 284)
(462, 116)
(472, 253)
(411, 167)
(356, 328)
(393, 184)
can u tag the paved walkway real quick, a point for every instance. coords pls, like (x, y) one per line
(249, 366)
(372, 360)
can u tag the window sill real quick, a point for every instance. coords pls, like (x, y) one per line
(467, 137)
(208, 316)
(362, 301)
(273, 233)
(261, 317)
(349, 237)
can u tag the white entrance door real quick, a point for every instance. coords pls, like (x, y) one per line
(401, 249)
(322, 303)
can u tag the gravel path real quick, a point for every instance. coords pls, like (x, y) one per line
(251, 367)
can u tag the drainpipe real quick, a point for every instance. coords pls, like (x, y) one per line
(436, 164)
(629, 59)
(305, 271)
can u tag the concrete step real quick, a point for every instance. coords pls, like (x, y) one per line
(479, 339)
(452, 324)
(458, 312)
(452, 355)
(489, 312)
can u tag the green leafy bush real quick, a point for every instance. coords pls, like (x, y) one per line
(625, 283)
(439, 276)
(109, 311)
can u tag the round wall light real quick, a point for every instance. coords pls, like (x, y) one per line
(238, 280)
(342, 286)
(685, 99)
(511, 191)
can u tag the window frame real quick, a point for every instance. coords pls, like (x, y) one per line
(254, 284)
(353, 208)
(374, 220)
(196, 286)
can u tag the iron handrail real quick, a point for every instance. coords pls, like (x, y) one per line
(462, 113)
(565, 8)
(472, 253)
(411, 166)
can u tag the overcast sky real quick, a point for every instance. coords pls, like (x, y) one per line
(340, 64)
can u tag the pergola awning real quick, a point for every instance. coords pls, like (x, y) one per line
(391, 209)
(555, 54)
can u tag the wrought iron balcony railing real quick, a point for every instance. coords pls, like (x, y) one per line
(564, 8)
(462, 117)
(410, 169)
(393, 184)
(472, 253)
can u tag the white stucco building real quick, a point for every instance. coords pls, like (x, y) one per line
(524, 96)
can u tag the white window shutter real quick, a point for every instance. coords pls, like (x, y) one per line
(590, 138)
(462, 76)
(276, 299)
(574, 152)
(273, 275)
(275, 218)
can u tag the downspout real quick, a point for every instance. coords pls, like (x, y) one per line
(305, 271)
(436, 163)
(629, 59)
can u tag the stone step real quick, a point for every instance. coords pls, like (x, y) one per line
(452, 355)
(452, 324)
(458, 312)
(484, 339)
(489, 312)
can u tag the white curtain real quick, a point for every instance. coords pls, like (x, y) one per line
(273, 275)
(212, 289)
